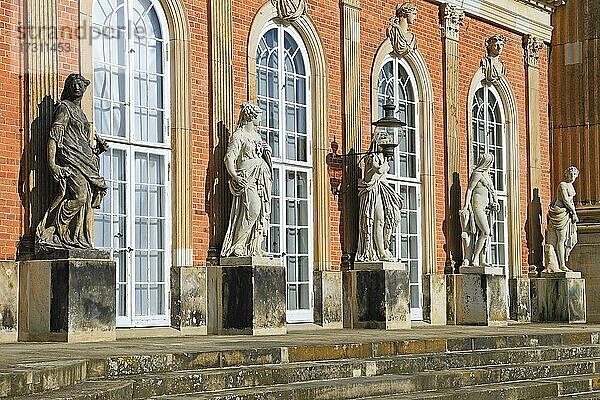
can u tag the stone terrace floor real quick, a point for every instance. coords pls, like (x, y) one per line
(128, 344)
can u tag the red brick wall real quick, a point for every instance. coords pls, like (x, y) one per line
(375, 15)
(11, 123)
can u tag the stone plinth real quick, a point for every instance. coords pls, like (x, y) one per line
(189, 300)
(9, 300)
(585, 258)
(477, 299)
(247, 296)
(328, 299)
(69, 296)
(434, 299)
(376, 295)
(556, 298)
(519, 290)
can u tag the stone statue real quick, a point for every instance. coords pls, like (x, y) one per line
(562, 224)
(492, 65)
(248, 161)
(289, 10)
(379, 205)
(476, 217)
(74, 163)
(403, 41)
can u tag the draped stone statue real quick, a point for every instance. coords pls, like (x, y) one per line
(477, 216)
(562, 224)
(492, 65)
(379, 205)
(403, 41)
(248, 161)
(289, 10)
(74, 163)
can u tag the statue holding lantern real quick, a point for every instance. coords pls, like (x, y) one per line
(379, 204)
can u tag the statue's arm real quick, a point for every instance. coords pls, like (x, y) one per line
(55, 140)
(472, 182)
(567, 200)
(231, 156)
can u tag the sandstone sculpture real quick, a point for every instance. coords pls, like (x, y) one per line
(492, 65)
(74, 164)
(248, 161)
(477, 216)
(562, 224)
(403, 41)
(289, 10)
(379, 205)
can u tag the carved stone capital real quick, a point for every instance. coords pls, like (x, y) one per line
(531, 50)
(402, 40)
(451, 19)
(289, 10)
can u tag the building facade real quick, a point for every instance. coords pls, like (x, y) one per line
(467, 77)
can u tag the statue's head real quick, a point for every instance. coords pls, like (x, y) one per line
(249, 113)
(407, 10)
(75, 86)
(571, 173)
(485, 162)
(495, 44)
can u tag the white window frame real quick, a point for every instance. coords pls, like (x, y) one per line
(416, 313)
(130, 146)
(304, 315)
(502, 194)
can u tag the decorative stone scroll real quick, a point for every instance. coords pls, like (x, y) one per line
(531, 50)
(289, 10)
(74, 163)
(491, 65)
(402, 40)
(451, 19)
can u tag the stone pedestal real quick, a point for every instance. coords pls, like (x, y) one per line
(520, 299)
(376, 295)
(434, 299)
(585, 258)
(70, 295)
(9, 300)
(328, 299)
(247, 297)
(478, 298)
(189, 300)
(558, 297)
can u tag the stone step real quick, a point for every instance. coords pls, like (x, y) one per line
(246, 381)
(38, 377)
(379, 387)
(573, 385)
(503, 363)
(89, 390)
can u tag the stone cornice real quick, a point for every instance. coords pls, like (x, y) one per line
(544, 5)
(521, 16)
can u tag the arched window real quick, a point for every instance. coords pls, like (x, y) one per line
(489, 137)
(283, 75)
(396, 83)
(131, 110)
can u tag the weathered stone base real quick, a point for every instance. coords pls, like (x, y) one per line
(247, 297)
(520, 299)
(328, 299)
(434, 299)
(477, 299)
(71, 300)
(189, 300)
(376, 295)
(558, 300)
(585, 258)
(9, 300)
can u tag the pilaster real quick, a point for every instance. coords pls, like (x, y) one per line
(222, 117)
(451, 19)
(352, 120)
(42, 92)
(531, 49)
